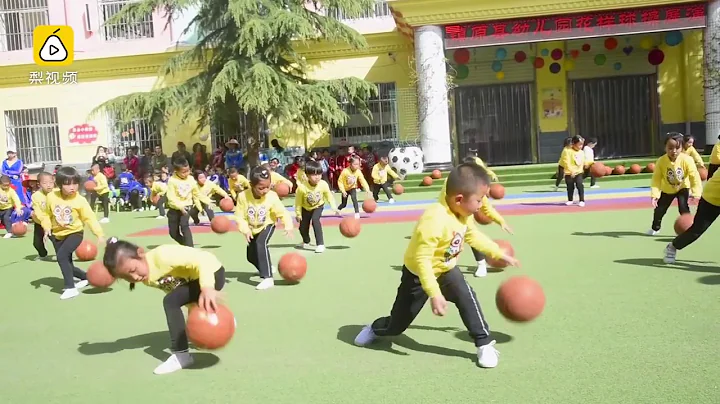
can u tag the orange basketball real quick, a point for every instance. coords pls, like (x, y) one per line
(598, 170)
(292, 267)
(427, 181)
(99, 276)
(608, 170)
(398, 189)
(86, 251)
(619, 170)
(19, 229)
(497, 191)
(369, 206)
(520, 299)
(650, 168)
(155, 199)
(90, 186)
(683, 223)
(703, 173)
(220, 224)
(507, 248)
(436, 174)
(482, 218)
(350, 227)
(227, 204)
(210, 330)
(635, 169)
(282, 189)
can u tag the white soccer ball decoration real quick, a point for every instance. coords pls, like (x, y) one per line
(406, 160)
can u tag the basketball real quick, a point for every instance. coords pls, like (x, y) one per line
(635, 169)
(282, 189)
(155, 199)
(90, 186)
(349, 227)
(650, 168)
(520, 299)
(86, 251)
(210, 330)
(427, 181)
(683, 223)
(507, 248)
(220, 224)
(497, 191)
(369, 206)
(703, 173)
(619, 170)
(227, 204)
(292, 267)
(597, 170)
(398, 189)
(482, 218)
(436, 174)
(19, 229)
(99, 276)
(608, 170)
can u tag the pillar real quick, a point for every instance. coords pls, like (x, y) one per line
(712, 73)
(432, 91)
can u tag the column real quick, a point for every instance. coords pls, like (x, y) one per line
(432, 92)
(712, 73)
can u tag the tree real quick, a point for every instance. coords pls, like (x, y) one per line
(248, 60)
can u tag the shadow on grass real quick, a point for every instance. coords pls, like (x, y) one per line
(709, 280)
(463, 268)
(153, 344)
(56, 285)
(210, 247)
(683, 265)
(33, 257)
(463, 335)
(247, 278)
(543, 204)
(611, 234)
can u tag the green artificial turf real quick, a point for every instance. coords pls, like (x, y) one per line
(619, 326)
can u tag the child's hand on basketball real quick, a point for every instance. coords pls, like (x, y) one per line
(506, 227)
(439, 305)
(512, 261)
(208, 299)
(654, 202)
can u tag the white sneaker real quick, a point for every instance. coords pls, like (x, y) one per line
(266, 283)
(69, 294)
(670, 253)
(488, 356)
(161, 218)
(595, 186)
(357, 216)
(391, 201)
(365, 337)
(652, 232)
(320, 249)
(481, 271)
(39, 258)
(555, 188)
(581, 204)
(105, 220)
(569, 203)
(81, 284)
(9, 235)
(175, 362)
(305, 246)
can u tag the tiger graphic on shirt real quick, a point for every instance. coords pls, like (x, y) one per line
(169, 283)
(351, 181)
(313, 198)
(63, 215)
(256, 215)
(184, 189)
(675, 176)
(455, 248)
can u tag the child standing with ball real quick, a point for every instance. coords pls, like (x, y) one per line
(257, 210)
(185, 274)
(182, 194)
(430, 265)
(310, 200)
(573, 164)
(158, 194)
(675, 177)
(379, 174)
(39, 204)
(102, 192)
(348, 184)
(9, 200)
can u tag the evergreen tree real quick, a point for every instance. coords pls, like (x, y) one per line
(248, 61)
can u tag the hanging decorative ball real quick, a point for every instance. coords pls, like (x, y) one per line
(673, 38)
(462, 72)
(555, 68)
(600, 59)
(539, 63)
(520, 56)
(628, 50)
(461, 56)
(586, 47)
(646, 43)
(574, 53)
(500, 54)
(656, 57)
(556, 54)
(617, 66)
(544, 52)
(611, 43)
(497, 66)
(500, 75)
(569, 65)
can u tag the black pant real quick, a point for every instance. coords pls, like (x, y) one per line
(586, 174)
(478, 255)
(104, 199)
(385, 187)
(38, 240)
(573, 183)
(704, 217)
(352, 194)
(134, 199)
(411, 298)
(711, 169)
(559, 176)
(664, 203)
(64, 250)
(5, 217)
(179, 226)
(311, 216)
(194, 212)
(258, 253)
(173, 304)
(160, 205)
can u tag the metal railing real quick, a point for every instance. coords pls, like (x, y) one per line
(123, 29)
(18, 19)
(381, 9)
(34, 134)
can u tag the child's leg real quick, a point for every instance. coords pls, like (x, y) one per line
(409, 300)
(38, 241)
(173, 217)
(353, 195)
(135, 199)
(682, 197)
(559, 176)
(5, 216)
(317, 227)
(64, 250)
(705, 215)
(711, 170)
(305, 218)
(570, 183)
(193, 213)
(161, 205)
(343, 201)
(376, 191)
(93, 199)
(663, 204)
(386, 188)
(481, 270)
(580, 187)
(262, 253)
(187, 236)
(105, 200)
(208, 211)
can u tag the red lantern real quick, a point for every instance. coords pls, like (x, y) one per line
(539, 63)
(656, 57)
(520, 56)
(611, 43)
(461, 56)
(556, 54)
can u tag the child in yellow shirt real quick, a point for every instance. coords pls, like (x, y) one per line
(102, 191)
(64, 219)
(589, 151)
(185, 274)
(567, 145)
(257, 210)
(182, 193)
(158, 190)
(689, 149)
(348, 183)
(9, 201)
(276, 178)
(714, 159)
(310, 201)
(430, 265)
(573, 164)
(236, 183)
(675, 176)
(379, 174)
(209, 189)
(39, 204)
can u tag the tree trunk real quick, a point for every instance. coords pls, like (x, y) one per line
(253, 137)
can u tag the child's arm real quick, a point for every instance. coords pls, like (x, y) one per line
(566, 161)
(696, 158)
(363, 182)
(278, 209)
(101, 184)
(299, 195)
(87, 216)
(329, 197)
(489, 211)
(656, 182)
(244, 182)
(424, 252)
(240, 211)
(15, 199)
(217, 190)
(483, 243)
(695, 180)
(375, 174)
(341, 182)
(391, 172)
(199, 197)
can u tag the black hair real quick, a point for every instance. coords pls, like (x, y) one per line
(42, 175)
(232, 170)
(197, 173)
(275, 159)
(67, 176)
(576, 139)
(676, 136)
(4, 179)
(258, 174)
(116, 250)
(180, 164)
(469, 160)
(353, 157)
(567, 142)
(313, 167)
(466, 178)
(688, 138)
(591, 140)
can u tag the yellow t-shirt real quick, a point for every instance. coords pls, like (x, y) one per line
(485, 206)
(65, 216)
(573, 161)
(210, 188)
(715, 154)
(693, 153)
(310, 197)
(349, 180)
(562, 155)
(482, 164)
(101, 184)
(237, 184)
(9, 199)
(38, 202)
(437, 241)
(182, 193)
(159, 188)
(670, 177)
(380, 173)
(254, 215)
(711, 193)
(276, 178)
(172, 265)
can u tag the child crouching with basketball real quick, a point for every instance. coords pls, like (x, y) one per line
(257, 210)
(350, 179)
(9, 201)
(430, 265)
(309, 203)
(185, 274)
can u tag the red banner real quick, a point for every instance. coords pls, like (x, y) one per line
(82, 134)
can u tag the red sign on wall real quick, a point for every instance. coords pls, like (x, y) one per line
(574, 26)
(82, 134)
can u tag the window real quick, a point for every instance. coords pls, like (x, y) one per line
(18, 19)
(138, 133)
(124, 29)
(381, 9)
(382, 127)
(34, 134)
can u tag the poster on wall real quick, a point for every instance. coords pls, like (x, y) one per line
(82, 135)
(552, 103)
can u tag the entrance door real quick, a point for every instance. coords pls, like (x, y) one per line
(621, 112)
(495, 120)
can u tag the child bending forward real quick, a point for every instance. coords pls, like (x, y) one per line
(430, 265)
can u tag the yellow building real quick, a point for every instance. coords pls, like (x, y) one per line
(509, 79)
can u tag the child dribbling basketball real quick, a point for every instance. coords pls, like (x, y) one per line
(9, 201)
(380, 172)
(573, 164)
(102, 192)
(430, 265)
(560, 174)
(309, 203)
(39, 204)
(182, 194)
(185, 274)
(209, 189)
(348, 183)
